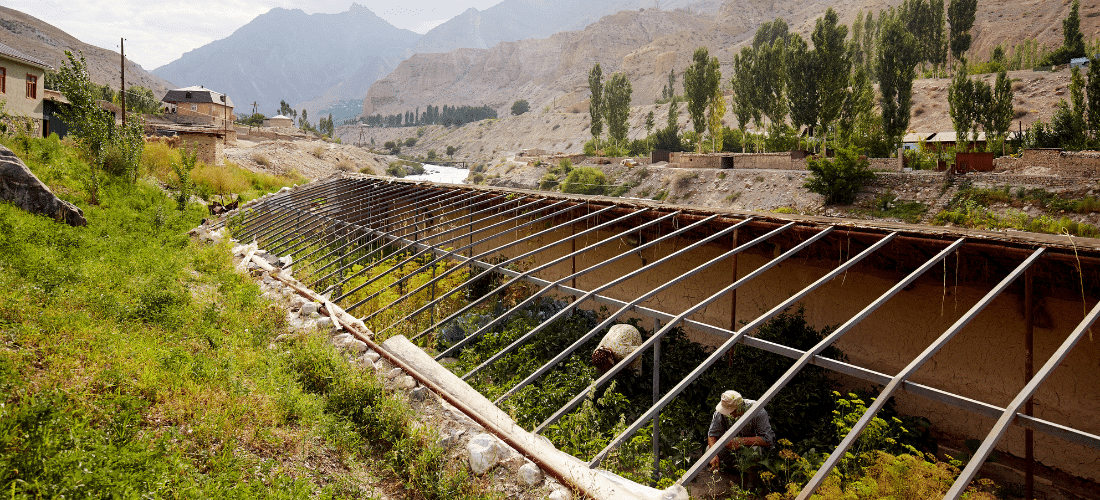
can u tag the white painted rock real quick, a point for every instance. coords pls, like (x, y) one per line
(406, 382)
(561, 494)
(484, 453)
(530, 475)
(372, 356)
(324, 323)
(310, 308)
(394, 373)
(355, 345)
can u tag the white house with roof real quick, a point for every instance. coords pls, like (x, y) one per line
(21, 87)
(279, 121)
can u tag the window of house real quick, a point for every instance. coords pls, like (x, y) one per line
(194, 107)
(3, 80)
(32, 86)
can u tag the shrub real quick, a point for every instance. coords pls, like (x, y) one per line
(520, 107)
(389, 145)
(410, 142)
(260, 159)
(838, 180)
(585, 180)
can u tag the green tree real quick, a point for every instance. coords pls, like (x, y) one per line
(616, 106)
(286, 110)
(983, 110)
(700, 83)
(961, 103)
(649, 124)
(772, 81)
(595, 109)
(141, 100)
(858, 113)
(584, 180)
(835, 66)
(303, 122)
(1092, 93)
(839, 180)
(802, 83)
(451, 150)
(937, 43)
(897, 70)
(520, 107)
(961, 16)
(744, 90)
(1072, 38)
(1001, 109)
(94, 130)
(714, 118)
(253, 120)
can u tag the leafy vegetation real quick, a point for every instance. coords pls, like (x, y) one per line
(585, 180)
(839, 180)
(970, 208)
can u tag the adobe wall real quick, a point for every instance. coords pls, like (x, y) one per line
(765, 161)
(1051, 162)
(208, 147)
(985, 361)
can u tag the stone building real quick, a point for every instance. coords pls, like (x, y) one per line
(279, 121)
(21, 88)
(199, 106)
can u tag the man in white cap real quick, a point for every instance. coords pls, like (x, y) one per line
(758, 432)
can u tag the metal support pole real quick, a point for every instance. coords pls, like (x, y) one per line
(656, 437)
(1029, 369)
(751, 326)
(888, 391)
(568, 407)
(1001, 426)
(807, 356)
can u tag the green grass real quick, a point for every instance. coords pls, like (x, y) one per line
(887, 206)
(134, 362)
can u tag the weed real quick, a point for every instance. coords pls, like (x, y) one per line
(733, 197)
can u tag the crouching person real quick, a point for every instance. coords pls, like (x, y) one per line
(758, 431)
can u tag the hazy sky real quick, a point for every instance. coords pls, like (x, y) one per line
(158, 32)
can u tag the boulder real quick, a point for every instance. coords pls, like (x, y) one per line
(530, 475)
(19, 186)
(484, 453)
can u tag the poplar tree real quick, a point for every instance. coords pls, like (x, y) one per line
(835, 66)
(897, 70)
(802, 83)
(1072, 38)
(700, 84)
(1092, 93)
(616, 106)
(744, 90)
(961, 105)
(595, 104)
(714, 117)
(1001, 109)
(961, 16)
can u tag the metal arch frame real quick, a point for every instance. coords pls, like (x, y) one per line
(1009, 413)
(527, 301)
(912, 367)
(656, 337)
(472, 260)
(494, 214)
(516, 276)
(451, 202)
(279, 212)
(573, 305)
(977, 407)
(751, 326)
(466, 260)
(806, 358)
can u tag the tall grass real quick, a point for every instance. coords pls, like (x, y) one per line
(134, 362)
(225, 180)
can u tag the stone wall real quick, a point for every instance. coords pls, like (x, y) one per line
(1051, 162)
(765, 161)
(208, 147)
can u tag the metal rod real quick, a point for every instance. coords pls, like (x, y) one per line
(457, 251)
(1009, 413)
(805, 358)
(450, 252)
(379, 234)
(290, 224)
(418, 253)
(632, 305)
(569, 308)
(655, 438)
(751, 326)
(288, 209)
(1029, 371)
(656, 337)
(888, 391)
(473, 260)
(523, 275)
(525, 302)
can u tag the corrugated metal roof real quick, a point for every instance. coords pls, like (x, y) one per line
(197, 94)
(6, 51)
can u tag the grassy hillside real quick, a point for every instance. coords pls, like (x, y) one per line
(135, 362)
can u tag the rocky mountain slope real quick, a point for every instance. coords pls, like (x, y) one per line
(647, 44)
(34, 37)
(293, 56)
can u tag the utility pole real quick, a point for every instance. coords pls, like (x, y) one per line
(253, 107)
(122, 65)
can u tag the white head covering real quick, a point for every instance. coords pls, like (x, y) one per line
(731, 402)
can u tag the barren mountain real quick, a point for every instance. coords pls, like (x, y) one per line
(647, 44)
(293, 56)
(34, 37)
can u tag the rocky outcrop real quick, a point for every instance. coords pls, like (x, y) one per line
(20, 186)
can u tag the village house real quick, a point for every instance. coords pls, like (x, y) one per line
(21, 88)
(198, 106)
(279, 121)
